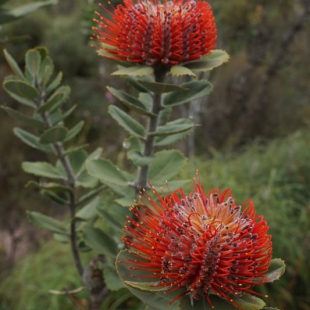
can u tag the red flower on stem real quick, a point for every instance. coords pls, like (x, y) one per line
(151, 32)
(199, 243)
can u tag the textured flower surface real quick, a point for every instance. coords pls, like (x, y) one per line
(199, 244)
(153, 32)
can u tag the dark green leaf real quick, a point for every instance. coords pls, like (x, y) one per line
(196, 89)
(13, 64)
(130, 101)
(47, 223)
(53, 135)
(125, 201)
(42, 169)
(208, 62)
(77, 161)
(159, 88)
(56, 82)
(126, 121)
(56, 99)
(21, 91)
(60, 198)
(100, 242)
(55, 187)
(106, 172)
(23, 118)
(174, 127)
(74, 131)
(57, 116)
(147, 100)
(166, 165)
(32, 140)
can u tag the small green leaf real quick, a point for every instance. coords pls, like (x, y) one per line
(276, 270)
(89, 211)
(170, 140)
(126, 121)
(135, 71)
(57, 116)
(60, 198)
(56, 82)
(23, 118)
(111, 279)
(86, 180)
(33, 62)
(125, 201)
(13, 64)
(106, 172)
(174, 127)
(32, 140)
(249, 302)
(208, 62)
(180, 71)
(77, 160)
(159, 88)
(196, 89)
(130, 101)
(47, 223)
(56, 99)
(147, 100)
(109, 219)
(91, 194)
(46, 71)
(133, 143)
(21, 91)
(134, 83)
(55, 187)
(74, 131)
(42, 169)
(53, 135)
(138, 159)
(100, 242)
(166, 165)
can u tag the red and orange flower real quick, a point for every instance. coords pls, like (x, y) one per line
(199, 243)
(152, 32)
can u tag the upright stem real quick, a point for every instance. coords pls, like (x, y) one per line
(160, 73)
(71, 182)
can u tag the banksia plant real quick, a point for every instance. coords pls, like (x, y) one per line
(198, 245)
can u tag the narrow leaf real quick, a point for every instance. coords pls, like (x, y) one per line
(135, 71)
(249, 302)
(196, 89)
(53, 135)
(130, 101)
(13, 64)
(159, 88)
(31, 7)
(74, 131)
(42, 169)
(33, 62)
(181, 71)
(56, 82)
(47, 223)
(126, 121)
(170, 140)
(173, 127)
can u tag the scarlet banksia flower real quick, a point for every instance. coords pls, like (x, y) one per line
(153, 32)
(199, 243)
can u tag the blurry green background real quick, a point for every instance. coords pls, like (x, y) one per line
(254, 137)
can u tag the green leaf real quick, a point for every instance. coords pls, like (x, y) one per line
(33, 62)
(180, 71)
(57, 115)
(13, 64)
(74, 131)
(21, 91)
(208, 62)
(127, 122)
(100, 242)
(56, 99)
(138, 159)
(55, 187)
(170, 186)
(134, 83)
(166, 165)
(110, 219)
(276, 270)
(133, 143)
(155, 300)
(174, 127)
(89, 211)
(42, 169)
(146, 286)
(47, 223)
(86, 180)
(125, 201)
(91, 194)
(135, 71)
(196, 89)
(77, 160)
(249, 302)
(53, 135)
(56, 82)
(23, 118)
(159, 88)
(46, 71)
(32, 140)
(169, 140)
(111, 279)
(106, 172)
(130, 101)
(60, 198)
(147, 100)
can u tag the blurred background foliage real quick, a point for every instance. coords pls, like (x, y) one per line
(254, 137)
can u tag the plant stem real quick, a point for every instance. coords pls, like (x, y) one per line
(160, 73)
(71, 182)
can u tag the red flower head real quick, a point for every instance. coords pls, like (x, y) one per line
(199, 243)
(151, 32)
